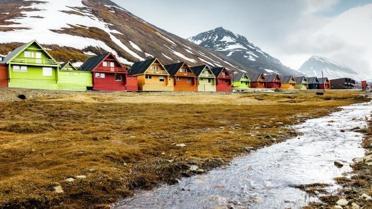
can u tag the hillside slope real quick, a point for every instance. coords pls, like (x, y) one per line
(316, 65)
(74, 29)
(239, 49)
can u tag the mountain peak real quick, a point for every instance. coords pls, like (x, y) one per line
(318, 65)
(238, 48)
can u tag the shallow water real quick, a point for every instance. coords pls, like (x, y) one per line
(264, 178)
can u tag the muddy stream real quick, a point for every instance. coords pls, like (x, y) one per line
(264, 178)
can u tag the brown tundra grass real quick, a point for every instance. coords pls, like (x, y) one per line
(123, 142)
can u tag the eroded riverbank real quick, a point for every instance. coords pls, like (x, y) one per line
(267, 178)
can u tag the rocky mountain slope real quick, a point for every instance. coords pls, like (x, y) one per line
(74, 29)
(316, 65)
(239, 49)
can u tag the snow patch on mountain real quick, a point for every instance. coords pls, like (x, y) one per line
(239, 49)
(320, 66)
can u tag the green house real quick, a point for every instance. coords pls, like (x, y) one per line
(241, 82)
(73, 79)
(30, 66)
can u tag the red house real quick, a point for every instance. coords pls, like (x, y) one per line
(257, 80)
(272, 81)
(109, 74)
(324, 83)
(223, 78)
(4, 78)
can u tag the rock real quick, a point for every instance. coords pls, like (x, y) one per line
(355, 206)
(368, 158)
(366, 197)
(69, 180)
(279, 123)
(193, 168)
(200, 171)
(58, 189)
(342, 202)
(91, 170)
(337, 207)
(81, 177)
(338, 164)
(181, 145)
(358, 160)
(248, 149)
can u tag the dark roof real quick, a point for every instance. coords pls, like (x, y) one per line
(286, 79)
(141, 67)
(174, 68)
(323, 80)
(271, 77)
(199, 69)
(92, 62)
(312, 80)
(239, 75)
(301, 79)
(217, 70)
(255, 76)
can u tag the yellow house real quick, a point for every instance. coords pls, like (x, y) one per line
(152, 76)
(288, 82)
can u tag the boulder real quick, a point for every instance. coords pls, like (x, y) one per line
(58, 189)
(342, 202)
(181, 145)
(69, 180)
(355, 206)
(338, 164)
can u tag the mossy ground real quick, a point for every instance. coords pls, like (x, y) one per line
(122, 141)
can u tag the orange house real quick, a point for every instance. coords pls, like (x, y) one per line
(152, 76)
(184, 79)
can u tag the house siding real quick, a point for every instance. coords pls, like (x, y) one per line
(33, 78)
(74, 80)
(4, 78)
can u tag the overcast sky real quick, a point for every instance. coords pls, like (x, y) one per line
(291, 30)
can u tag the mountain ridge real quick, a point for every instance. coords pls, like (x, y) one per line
(239, 49)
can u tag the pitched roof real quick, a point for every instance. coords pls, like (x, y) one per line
(174, 68)
(217, 70)
(199, 69)
(92, 62)
(68, 64)
(19, 49)
(141, 67)
(312, 80)
(239, 75)
(286, 79)
(271, 77)
(255, 76)
(301, 79)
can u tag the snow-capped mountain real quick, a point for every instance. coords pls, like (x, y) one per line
(239, 49)
(74, 29)
(316, 65)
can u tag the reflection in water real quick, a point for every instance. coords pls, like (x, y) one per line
(263, 178)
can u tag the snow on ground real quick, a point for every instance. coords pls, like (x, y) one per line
(180, 55)
(165, 38)
(228, 39)
(269, 71)
(205, 61)
(135, 46)
(54, 19)
(189, 51)
(148, 55)
(77, 64)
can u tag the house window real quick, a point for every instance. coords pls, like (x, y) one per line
(28, 54)
(38, 55)
(105, 64)
(112, 64)
(17, 68)
(97, 75)
(156, 69)
(118, 77)
(47, 71)
(210, 80)
(103, 75)
(148, 77)
(161, 79)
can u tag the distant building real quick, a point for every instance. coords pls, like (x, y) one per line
(313, 83)
(301, 83)
(343, 83)
(324, 83)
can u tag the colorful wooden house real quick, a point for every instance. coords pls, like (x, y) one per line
(272, 81)
(257, 80)
(152, 76)
(223, 79)
(241, 82)
(324, 83)
(301, 83)
(31, 66)
(206, 78)
(4, 78)
(73, 79)
(343, 83)
(313, 83)
(108, 74)
(183, 77)
(288, 82)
